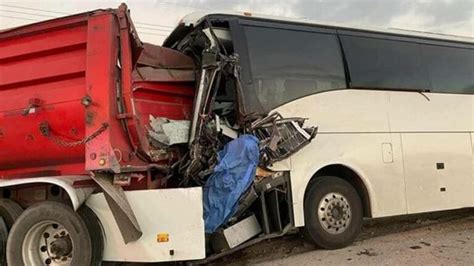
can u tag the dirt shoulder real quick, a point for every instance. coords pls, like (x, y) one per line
(434, 239)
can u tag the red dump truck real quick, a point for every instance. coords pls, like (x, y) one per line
(102, 154)
(75, 94)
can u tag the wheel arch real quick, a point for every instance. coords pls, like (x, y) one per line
(77, 195)
(350, 175)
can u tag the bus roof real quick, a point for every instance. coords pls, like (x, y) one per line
(197, 17)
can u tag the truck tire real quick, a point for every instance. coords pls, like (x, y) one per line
(3, 241)
(49, 232)
(9, 212)
(95, 231)
(333, 212)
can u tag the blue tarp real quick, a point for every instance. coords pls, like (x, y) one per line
(233, 175)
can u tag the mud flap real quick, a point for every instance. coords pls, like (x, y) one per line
(120, 207)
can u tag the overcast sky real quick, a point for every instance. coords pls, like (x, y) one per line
(155, 18)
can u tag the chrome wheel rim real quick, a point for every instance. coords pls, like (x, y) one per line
(47, 243)
(334, 213)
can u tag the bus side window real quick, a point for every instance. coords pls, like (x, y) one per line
(451, 69)
(290, 64)
(377, 63)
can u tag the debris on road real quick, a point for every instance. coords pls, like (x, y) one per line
(425, 243)
(369, 252)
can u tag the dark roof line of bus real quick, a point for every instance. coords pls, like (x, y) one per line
(197, 17)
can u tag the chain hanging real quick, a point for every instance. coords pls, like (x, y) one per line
(47, 132)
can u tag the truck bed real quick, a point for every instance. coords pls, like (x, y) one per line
(72, 98)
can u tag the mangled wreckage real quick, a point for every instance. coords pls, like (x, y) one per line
(229, 150)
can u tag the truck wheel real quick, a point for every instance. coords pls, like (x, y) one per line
(9, 212)
(95, 231)
(49, 233)
(333, 212)
(3, 241)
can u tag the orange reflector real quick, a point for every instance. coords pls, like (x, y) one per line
(162, 237)
(248, 14)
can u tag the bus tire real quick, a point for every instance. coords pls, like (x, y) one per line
(333, 212)
(9, 212)
(95, 231)
(47, 232)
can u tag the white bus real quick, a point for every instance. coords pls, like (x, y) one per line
(394, 109)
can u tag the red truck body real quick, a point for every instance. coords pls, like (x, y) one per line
(73, 98)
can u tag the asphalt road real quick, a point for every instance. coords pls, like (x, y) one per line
(435, 239)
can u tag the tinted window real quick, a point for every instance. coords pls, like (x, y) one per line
(450, 69)
(376, 63)
(288, 64)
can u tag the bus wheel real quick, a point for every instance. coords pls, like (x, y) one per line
(9, 212)
(333, 212)
(49, 233)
